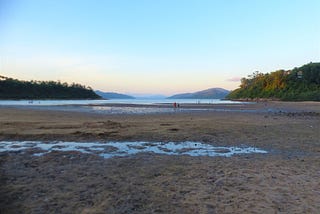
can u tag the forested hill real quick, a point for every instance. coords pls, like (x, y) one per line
(16, 89)
(298, 84)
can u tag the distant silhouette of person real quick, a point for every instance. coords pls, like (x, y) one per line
(174, 105)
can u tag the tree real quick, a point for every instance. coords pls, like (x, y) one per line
(15, 89)
(281, 84)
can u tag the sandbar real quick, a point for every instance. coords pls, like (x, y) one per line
(285, 180)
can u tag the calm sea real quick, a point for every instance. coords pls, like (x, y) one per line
(116, 101)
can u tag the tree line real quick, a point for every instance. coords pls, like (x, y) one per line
(17, 89)
(298, 84)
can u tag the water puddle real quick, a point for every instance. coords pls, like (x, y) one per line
(129, 110)
(118, 149)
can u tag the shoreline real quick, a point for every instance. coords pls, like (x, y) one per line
(255, 107)
(286, 179)
(19, 123)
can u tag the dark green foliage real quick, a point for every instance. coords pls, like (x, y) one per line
(16, 89)
(298, 84)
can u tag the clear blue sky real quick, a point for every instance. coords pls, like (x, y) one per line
(155, 46)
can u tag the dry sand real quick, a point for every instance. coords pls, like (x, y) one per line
(286, 180)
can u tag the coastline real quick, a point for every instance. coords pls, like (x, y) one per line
(286, 179)
(256, 107)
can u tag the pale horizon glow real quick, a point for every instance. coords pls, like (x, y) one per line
(155, 47)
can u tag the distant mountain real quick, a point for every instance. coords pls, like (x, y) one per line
(212, 93)
(113, 95)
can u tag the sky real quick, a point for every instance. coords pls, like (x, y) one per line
(155, 46)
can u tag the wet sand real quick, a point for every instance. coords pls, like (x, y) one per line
(286, 180)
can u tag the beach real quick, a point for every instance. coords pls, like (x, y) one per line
(284, 180)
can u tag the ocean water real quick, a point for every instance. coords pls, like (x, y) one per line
(143, 106)
(113, 101)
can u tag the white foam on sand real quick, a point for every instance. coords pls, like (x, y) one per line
(116, 149)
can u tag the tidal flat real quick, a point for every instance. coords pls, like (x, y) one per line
(286, 179)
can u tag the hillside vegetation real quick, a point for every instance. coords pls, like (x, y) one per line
(16, 89)
(298, 84)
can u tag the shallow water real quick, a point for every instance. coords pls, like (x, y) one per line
(112, 101)
(116, 149)
(118, 106)
(127, 110)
